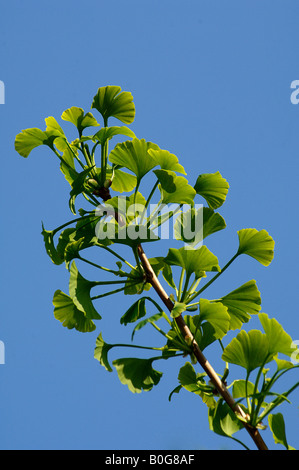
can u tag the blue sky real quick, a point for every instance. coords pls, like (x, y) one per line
(211, 83)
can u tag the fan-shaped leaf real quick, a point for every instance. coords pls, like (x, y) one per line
(241, 303)
(111, 101)
(248, 350)
(194, 225)
(279, 340)
(134, 155)
(213, 187)
(69, 315)
(137, 374)
(174, 189)
(195, 261)
(257, 244)
(136, 311)
(166, 160)
(29, 139)
(77, 117)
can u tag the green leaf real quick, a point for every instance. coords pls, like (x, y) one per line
(249, 350)
(53, 126)
(213, 187)
(174, 189)
(178, 309)
(166, 160)
(257, 244)
(158, 264)
(68, 314)
(111, 101)
(223, 420)
(134, 155)
(241, 388)
(195, 261)
(279, 340)
(80, 293)
(215, 314)
(122, 182)
(77, 117)
(241, 303)
(78, 186)
(101, 352)
(108, 132)
(194, 225)
(50, 247)
(31, 138)
(195, 383)
(136, 311)
(277, 426)
(137, 374)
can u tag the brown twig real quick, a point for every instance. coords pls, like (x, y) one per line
(218, 384)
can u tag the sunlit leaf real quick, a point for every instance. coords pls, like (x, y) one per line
(257, 244)
(166, 160)
(137, 374)
(177, 309)
(77, 117)
(279, 340)
(69, 315)
(215, 314)
(241, 303)
(101, 352)
(223, 420)
(194, 225)
(29, 139)
(249, 350)
(195, 261)
(213, 187)
(111, 101)
(134, 155)
(174, 189)
(108, 132)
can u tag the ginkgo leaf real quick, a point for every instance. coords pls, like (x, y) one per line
(215, 314)
(241, 303)
(136, 311)
(175, 189)
(194, 225)
(257, 244)
(195, 261)
(134, 155)
(48, 236)
(69, 315)
(279, 340)
(101, 352)
(137, 374)
(77, 117)
(111, 101)
(108, 132)
(213, 187)
(249, 350)
(166, 160)
(80, 293)
(29, 139)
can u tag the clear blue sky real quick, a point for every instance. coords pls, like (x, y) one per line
(211, 83)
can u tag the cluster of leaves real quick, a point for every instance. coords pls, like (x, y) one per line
(184, 269)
